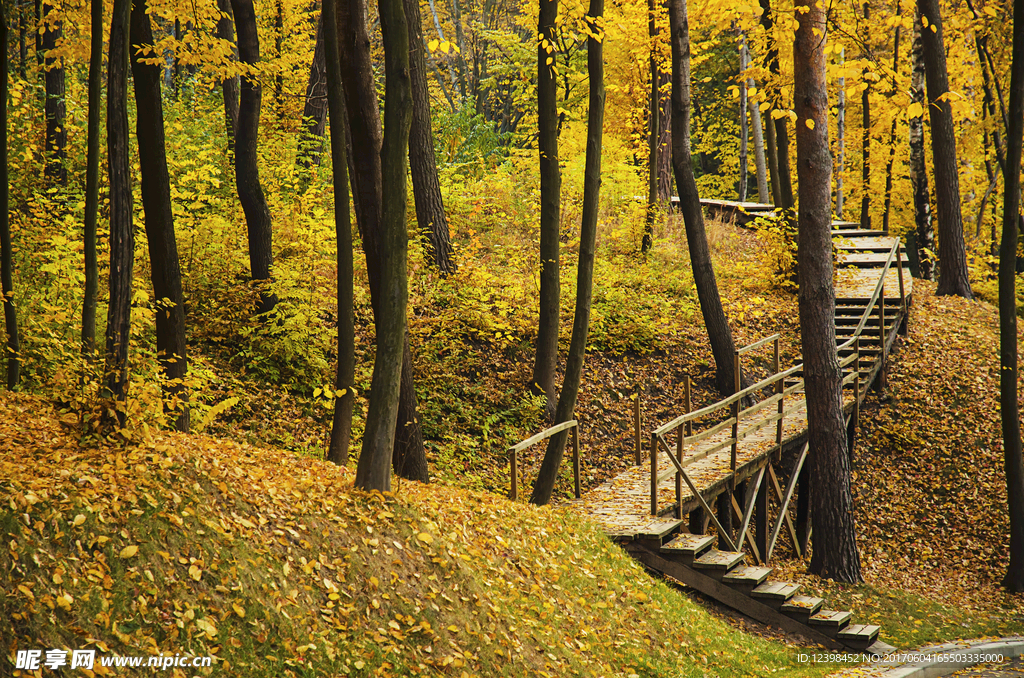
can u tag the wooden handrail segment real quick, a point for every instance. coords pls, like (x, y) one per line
(513, 455)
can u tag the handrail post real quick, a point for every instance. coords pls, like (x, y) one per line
(687, 390)
(905, 325)
(856, 379)
(576, 457)
(883, 338)
(654, 475)
(679, 478)
(639, 451)
(780, 388)
(737, 381)
(513, 458)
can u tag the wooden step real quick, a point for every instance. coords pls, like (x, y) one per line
(746, 577)
(716, 564)
(775, 593)
(859, 636)
(857, 233)
(655, 532)
(686, 547)
(802, 607)
(831, 622)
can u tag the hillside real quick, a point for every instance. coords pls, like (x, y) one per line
(272, 563)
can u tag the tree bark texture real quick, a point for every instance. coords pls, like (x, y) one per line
(54, 108)
(229, 87)
(719, 334)
(666, 184)
(314, 111)
(835, 545)
(426, 186)
(247, 176)
(654, 150)
(741, 188)
(924, 238)
(171, 346)
(865, 108)
(892, 132)
(366, 182)
(550, 197)
(341, 423)
(122, 234)
(952, 252)
(6, 253)
(1014, 465)
(92, 180)
(548, 474)
(374, 469)
(757, 130)
(840, 136)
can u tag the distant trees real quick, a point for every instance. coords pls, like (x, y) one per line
(953, 278)
(92, 180)
(835, 547)
(54, 108)
(1008, 363)
(920, 240)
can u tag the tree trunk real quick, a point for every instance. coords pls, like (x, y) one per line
(247, 176)
(773, 164)
(741, 188)
(653, 134)
(666, 184)
(278, 45)
(229, 86)
(22, 45)
(835, 545)
(365, 136)
(763, 196)
(722, 346)
(840, 135)
(460, 40)
(171, 347)
(92, 181)
(865, 176)
(779, 137)
(6, 254)
(122, 234)
(314, 112)
(426, 187)
(56, 133)
(374, 469)
(952, 252)
(924, 240)
(1014, 579)
(550, 195)
(341, 424)
(892, 132)
(545, 484)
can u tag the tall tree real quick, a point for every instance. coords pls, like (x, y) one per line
(92, 180)
(426, 186)
(54, 108)
(122, 234)
(6, 253)
(952, 252)
(778, 136)
(741, 188)
(719, 334)
(229, 86)
(314, 110)
(171, 347)
(545, 484)
(840, 134)
(654, 149)
(247, 176)
(865, 108)
(892, 129)
(921, 239)
(1014, 579)
(835, 545)
(344, 381)
(757, 129)
(374, 469)
(409, 458)
(550, 198)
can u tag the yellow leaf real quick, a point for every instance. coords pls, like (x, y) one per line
(239, 610)
(79, 519)
(809, 123)
(65, 601)
(129, 551)
(425, 537)
(432, 45)
(195, 572)
(915, 110)
(549, 61)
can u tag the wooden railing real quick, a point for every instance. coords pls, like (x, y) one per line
(744, 421)
(513, 454)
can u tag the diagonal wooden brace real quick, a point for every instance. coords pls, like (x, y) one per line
(784, 504)
(693, 488)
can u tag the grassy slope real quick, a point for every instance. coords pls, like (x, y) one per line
(273, 564)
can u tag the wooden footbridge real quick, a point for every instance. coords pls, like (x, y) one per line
(740, 468)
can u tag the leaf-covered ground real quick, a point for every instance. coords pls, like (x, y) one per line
(271, 563)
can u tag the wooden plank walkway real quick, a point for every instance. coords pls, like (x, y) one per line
(622, 505)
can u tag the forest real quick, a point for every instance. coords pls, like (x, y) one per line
(341, 337)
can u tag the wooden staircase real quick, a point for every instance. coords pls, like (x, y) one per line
(723, 576)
